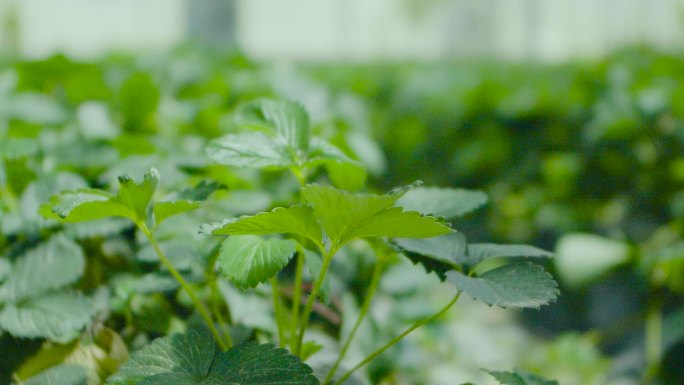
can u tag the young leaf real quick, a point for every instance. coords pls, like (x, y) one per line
(248, 260)
(478, 252)
(345, 216)
(84, 205)
(65, 374)
(442, 202)
(192, 359)
(54, 316)
(438, 254)
(51, 265)
(136, 196)
(297, 219)
(250, 149)
(520, 377)
(187, 200)
(517, 285)
(288, 120)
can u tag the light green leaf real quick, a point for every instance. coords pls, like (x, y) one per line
(84, 205)
(438, 254)
(345, 216)
(478, 252)
(187, 200)
(517, 285)
(288, 120)
(344, 172)
(13, 148)
(50, 266)
(192, 359)
(248, 260)
(297, 219)
(520, 377)
(136, 196)
(583, 258)
(250, 149)
(442, 202)
(55, 316)
(65, 374)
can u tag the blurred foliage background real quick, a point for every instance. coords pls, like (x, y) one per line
(583, 156)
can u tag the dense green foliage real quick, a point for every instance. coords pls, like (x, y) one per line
(167, 206)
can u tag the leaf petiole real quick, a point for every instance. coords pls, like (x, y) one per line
(398, 338)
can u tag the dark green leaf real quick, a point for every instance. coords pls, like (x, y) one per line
(248, 260)
(442, 202)
(438, 254)
(517, 285)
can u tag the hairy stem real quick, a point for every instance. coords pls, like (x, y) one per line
(297, 297)
(398, 338)
(304, 323)
(184, 284)
(377, 272)
(210, 273)
(278, 310)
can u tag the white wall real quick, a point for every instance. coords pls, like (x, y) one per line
(89, 28)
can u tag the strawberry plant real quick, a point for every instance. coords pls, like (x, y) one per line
(292, 245)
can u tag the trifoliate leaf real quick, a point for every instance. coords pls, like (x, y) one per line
(248, 260)
(518, 285)
(84, 205)
(345, 216)
(54, 316)
(52, 265)
(250, 149)
(438, 254)
(520, 377)
(287, 120)
(192, 359)
(442, 202)
(297, 219)
(186, 200)
(137, 195)
(478, 252)
(65, 374)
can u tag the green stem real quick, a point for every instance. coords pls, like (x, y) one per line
(297, 298)
(653, 339)
(216, 297)
(398, 338)
(304, 323)
(278, 310)
(184, 284)
(377, 272)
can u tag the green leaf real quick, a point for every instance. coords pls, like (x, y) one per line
(136, 196)
(478, 252)
(248, 260)
(517, 285)
(250, 149)
(520, 377)
(186, 200)
(442, 202)
(345, 216)
(584, 258)
(52, 265)
(56, 316)
(13, 148)
(5, 269)
(192, 359)
(297, 219)
(84, 205)
(65, 374)
(437, 254)
(344, 172)
(288, 120)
